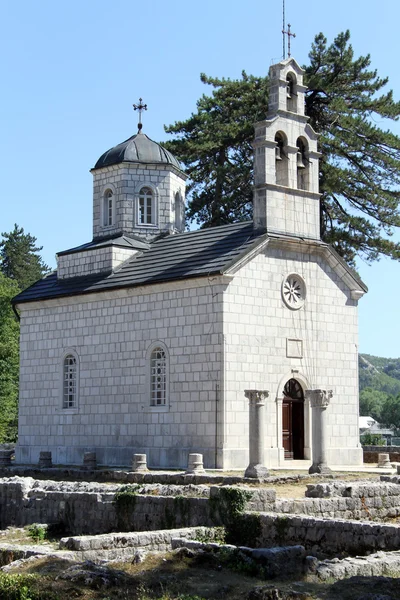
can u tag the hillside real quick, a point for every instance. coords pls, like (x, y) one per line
(379, 373)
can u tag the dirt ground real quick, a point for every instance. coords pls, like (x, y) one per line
(172, 576)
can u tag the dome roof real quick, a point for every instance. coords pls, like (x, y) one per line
(137, 149)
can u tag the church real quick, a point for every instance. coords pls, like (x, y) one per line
(145, 338)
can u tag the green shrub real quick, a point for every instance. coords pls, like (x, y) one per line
(18, 587)
(38, 533)
(372, 439)
(124, 502)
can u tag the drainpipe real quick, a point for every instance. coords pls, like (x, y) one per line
(16, 313)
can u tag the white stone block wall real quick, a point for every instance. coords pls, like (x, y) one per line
(284, 210)
(257, 327)
(212, 360)
(278, 91)
(126, 180)
(88, 262)
(111, 334)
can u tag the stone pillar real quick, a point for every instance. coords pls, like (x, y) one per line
(256, 399)
(319, 400)
(5, 458)
(195, 464)
(384, 461)
(45, 460)
(139, 464)
(89, 461)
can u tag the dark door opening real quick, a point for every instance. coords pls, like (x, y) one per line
(293, 420)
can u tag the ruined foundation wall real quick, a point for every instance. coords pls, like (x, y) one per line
(91, 508)
(327, 536)
(371, 453)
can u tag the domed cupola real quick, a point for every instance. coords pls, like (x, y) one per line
(138, 189)
(137, 149)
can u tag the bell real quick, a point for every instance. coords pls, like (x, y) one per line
(288, 90)
(300, 163)
(278, 153)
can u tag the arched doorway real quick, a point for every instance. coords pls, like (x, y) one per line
(293, 420)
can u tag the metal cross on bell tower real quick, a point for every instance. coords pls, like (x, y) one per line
(284, 32)
(141, 107)
(289, 34)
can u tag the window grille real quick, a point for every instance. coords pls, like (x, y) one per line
(158, 377)
(69, 382)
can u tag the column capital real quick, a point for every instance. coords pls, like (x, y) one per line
(319, 398)
(256, 396)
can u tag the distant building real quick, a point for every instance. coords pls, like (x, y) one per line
(365, 423)
(369, 425)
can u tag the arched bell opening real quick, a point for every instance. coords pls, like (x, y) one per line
(293, 420)
(291, 94)
(303, 165)
(281, 160)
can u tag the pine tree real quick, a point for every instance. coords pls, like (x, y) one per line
(360, 170)
(215, 145)
(9, 361)
(19, 259)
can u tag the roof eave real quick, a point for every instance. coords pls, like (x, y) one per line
(223, 277)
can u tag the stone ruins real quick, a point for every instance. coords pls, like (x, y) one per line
(337, 530)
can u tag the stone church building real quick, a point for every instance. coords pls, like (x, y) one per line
(145, 338)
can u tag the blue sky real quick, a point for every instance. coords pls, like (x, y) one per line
(72, 70)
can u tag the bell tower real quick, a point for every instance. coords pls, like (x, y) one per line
(286, 159)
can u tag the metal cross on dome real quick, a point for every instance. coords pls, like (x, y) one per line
(141, 107)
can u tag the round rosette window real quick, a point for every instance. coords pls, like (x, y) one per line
(294, 291)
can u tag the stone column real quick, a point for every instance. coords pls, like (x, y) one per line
(45, 460)
(319, 400)
(139, 463)
(89, 461)
(256, 433)
(195, 464)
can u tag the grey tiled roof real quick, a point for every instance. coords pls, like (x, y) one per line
(121, 242)
(174, 257)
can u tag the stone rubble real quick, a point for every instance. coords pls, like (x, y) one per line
(374, 565)
(275, 561)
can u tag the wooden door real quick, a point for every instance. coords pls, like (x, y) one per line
(293, 421)
(287, 428)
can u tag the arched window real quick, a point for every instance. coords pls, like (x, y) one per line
(178, 211)
(70, 381)
(303, 165)
(158, 377)
(291, 96)
(108, 209)
(281, 160)
(146, 207)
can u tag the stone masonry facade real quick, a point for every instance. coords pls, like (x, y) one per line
(126, 180)
(258, 329)
(99, 260)
(211, 360)
(111, 334)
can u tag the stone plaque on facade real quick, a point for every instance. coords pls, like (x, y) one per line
(294, 348)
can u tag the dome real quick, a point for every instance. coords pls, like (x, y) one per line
(137, 149)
